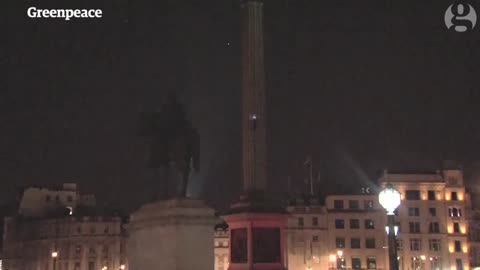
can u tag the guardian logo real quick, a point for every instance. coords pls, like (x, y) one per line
(460, 17)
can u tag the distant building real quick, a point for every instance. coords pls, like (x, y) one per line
(474, 238)
(60, 229)
(438, 229)
(221, 246)
(432, 218)
(38, 202)
(347, 233)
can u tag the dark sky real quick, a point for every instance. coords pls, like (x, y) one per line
(360, 85)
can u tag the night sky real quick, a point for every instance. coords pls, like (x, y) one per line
(359, 85)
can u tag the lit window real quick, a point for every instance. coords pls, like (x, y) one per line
(416, 263)
(341, 263)
(435, 263)
(454, 212)
(369, 224)
(372, 262)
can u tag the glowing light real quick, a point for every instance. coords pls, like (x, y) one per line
(450, 229)
(54, 254)
(333, 257)
(389, 198)
(465, 249)
(463, 229)
(450, 248)
(340, 253)
(460, 198)
(104, 268)
(122, 266)
(423, 257)
(447, 197)
(424, 196)
(453, 267)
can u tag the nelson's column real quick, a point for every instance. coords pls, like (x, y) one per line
(256, 224)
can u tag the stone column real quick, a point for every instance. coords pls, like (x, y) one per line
(253, 97)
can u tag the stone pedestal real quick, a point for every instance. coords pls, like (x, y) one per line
(175, 234)
(257, 236)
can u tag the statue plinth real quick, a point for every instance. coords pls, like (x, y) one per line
(257, 238)
(175, 234)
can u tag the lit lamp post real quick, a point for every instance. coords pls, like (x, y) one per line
(389, 198)
(333, 260)
(54, 257)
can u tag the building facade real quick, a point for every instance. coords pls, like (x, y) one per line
(221, 246)
(432, 220)
(62, 232)
(346, 233)
(438, 230)
(307, 231)
(474, 238)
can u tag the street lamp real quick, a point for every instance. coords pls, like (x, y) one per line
(333, 259)
(54, 257)
(390, 199)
